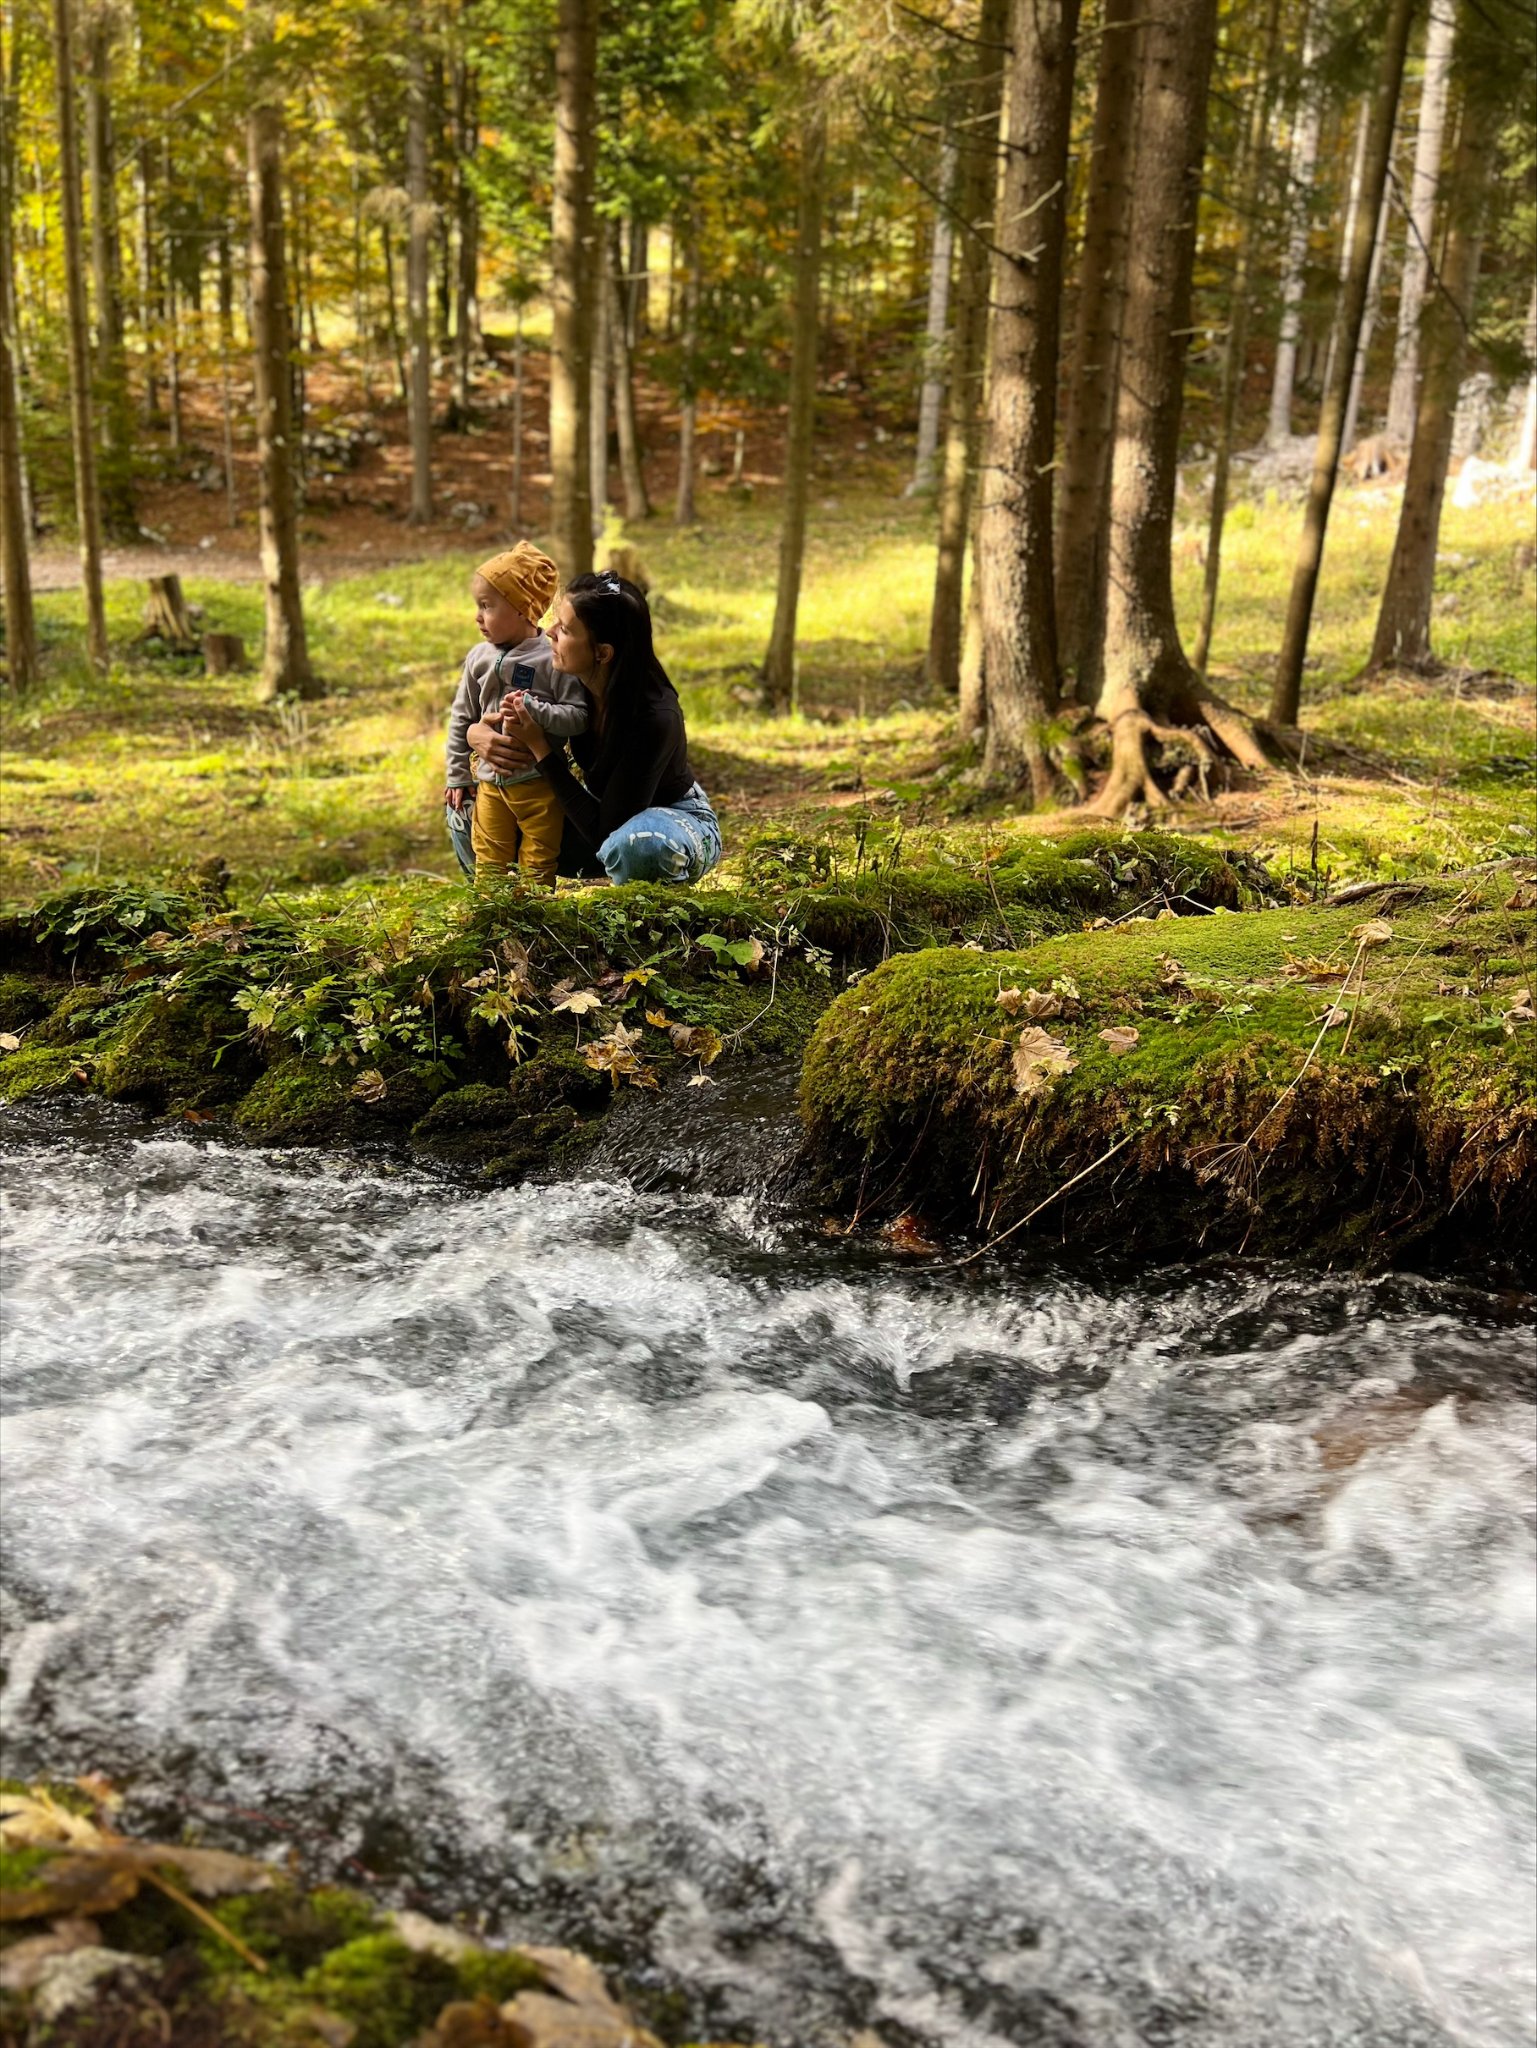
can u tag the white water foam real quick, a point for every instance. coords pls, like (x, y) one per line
(1009, 1661)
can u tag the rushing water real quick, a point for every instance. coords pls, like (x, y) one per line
(975, 1657)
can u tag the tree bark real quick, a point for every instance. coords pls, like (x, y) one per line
(87, 494)
(941, 262)
(1014, 557)
(1304, 163)
(392, 312)
(779, 662)
(1235, 349)
(1429, 135)
(1523, 457)
(418, 271)
(21, 665)
(1402, 638)
(975, 205)
(598, 386)
(1149, 686)
(1368, 329)
(515, 508)
(1088, 430)
(571, 281)
(467, 269)
(1286, 696)
(638, 281)
(684, 513)
(637, 505)
(285, 656)
(119, 516)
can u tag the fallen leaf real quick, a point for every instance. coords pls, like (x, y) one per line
(1009, 999)
(580, 1001)
(370, 1086)
(196, 1116)
(660, 1019)
(1171, 973)
(1120, 1037)
(698, 1041)
(1039, 1004)
(21, 1965)
(1333, 1017)
(1525, 897)
(700, 1081)
(1521, 1011)
(9, 1042)
(1037, 1058)
(640, 975)
(1307, 967)
(1375, 932)
(643, 1077)
(906, 1233)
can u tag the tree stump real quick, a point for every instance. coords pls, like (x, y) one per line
(166, 616)
(223, 653)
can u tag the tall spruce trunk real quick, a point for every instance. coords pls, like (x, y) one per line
(1286, 697)
(1148, 683)
(637, 504)
(1368, 328)
(975, 204)
(1523, 457)
(779, 661)
(1088, 428)
(1402, 638)
(286, 667)
(1303, 164)
(15, 570)
(418, 272)
(467, 216)
(1429, 137)
(571, 282)
(688, 396)
(119, 514)
(392, 313)
(598, 388)
(1014, 557)
(82, 435)
(941, 261)
(1250, 180)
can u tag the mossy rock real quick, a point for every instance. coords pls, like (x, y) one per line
(176, 1053)
(24, 998)
(73, 1018)
(299, 1102)
(389, 1992)
(39, 1070)
(1235, 1117)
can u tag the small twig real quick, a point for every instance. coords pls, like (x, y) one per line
(209, 1920)
(955, 1265)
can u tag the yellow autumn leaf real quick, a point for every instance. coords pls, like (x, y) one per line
(370, 1086)
(580, 1001)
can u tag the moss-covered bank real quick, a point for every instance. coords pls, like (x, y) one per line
(1352, 1082)
(491, 1030)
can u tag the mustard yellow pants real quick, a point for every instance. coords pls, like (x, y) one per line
(517, 826)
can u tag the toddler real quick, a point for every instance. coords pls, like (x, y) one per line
(513, 820)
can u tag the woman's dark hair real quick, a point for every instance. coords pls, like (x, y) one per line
(615, 614)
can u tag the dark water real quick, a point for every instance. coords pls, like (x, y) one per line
(974, 1657)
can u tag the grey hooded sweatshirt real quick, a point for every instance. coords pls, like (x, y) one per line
(553, 699)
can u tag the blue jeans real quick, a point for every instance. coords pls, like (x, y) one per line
(458, 823)
(669, 843)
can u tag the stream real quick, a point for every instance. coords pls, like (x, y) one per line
(1012, 1654)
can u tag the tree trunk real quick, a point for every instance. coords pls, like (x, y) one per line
(21, 667)
(145, 253)
(571, 281)
(1149, 686)
(1235, 350)
(119, 516)
(1421, 224)
(636, 503)
(688, 410)
(285, 657)
(1523, 457)
(515, 510)
(467, 270)
(1304, 163)
(976, 203)
(1368, 328)
(1014, 556)
(1347, 234)
(1088, 433)
(1402, 639)
(598, 386)
(392, 312)
(779, 661)
(638, 282)
(418, 272)
(1286, 696)
(941, 261)
(87, 495)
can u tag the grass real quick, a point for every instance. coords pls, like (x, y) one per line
(157, 766)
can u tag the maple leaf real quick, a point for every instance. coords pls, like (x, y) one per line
(1009, 999)
(660, 1019)
(700, 1081)
(580, 1001)
(1040, 1003)
(640, 975)
(1120, 1037)
(643, 1077)
(698, 1041)
(1037, 1058)
(1375, 932)
(370, 1086)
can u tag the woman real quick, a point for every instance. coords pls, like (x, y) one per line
(638, 809)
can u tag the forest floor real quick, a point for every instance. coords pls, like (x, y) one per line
(160, 766)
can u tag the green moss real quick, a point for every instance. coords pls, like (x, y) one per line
(18, 1867)
(74, 1018)
(292, 1930)
(299, 1102)
(165, 1055)
(497, 1974)
(1416, 1124)
(38, 1070)
(389, 1992)
(23, 999)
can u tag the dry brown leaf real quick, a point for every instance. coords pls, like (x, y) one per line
(1038, 1058)
(580, 1001)
(700, 1081)
(9, 1042)
(1009, 999)
(23, 1963)
(1171, 973)
(1524, 898)
(370, 1086)
(1042, 1003)
(1120, 1037)
(697, 1042)
(1308, 967)
(907, 1233)
(1333, 1017)
(1375, 932)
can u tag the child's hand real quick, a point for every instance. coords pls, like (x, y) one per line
(512, 704)
(457, 798)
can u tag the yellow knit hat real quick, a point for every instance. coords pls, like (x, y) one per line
(525, 577)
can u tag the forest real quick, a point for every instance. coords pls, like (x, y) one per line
(924, 1440)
